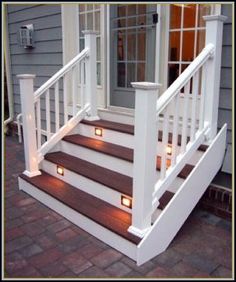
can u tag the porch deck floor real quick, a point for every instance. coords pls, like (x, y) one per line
(40, 243)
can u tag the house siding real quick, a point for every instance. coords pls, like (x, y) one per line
(45, 58)
(225, 100)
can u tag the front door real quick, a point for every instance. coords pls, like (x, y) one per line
(132, 50)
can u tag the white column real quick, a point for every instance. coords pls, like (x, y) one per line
(91, 73)
(145, 153)
(214, 31)
(29, 130)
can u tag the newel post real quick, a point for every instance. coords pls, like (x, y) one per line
(145, 153)
(214, 32)
(29, 128)
(91, 73)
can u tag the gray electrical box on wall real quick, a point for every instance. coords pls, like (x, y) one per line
(26, 36)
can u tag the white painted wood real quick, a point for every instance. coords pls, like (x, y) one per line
(183, 202)
(175, 130)
(65, 95)
(63, 131)
(194, 104)
(144, 167)
(56, 89)
(185, 117)
(82, 92)
(185, 76)
(60, 73)
(203, 91)
(165, 133)
(38, 123)
(74, 89)
(91, 73)
(214, 31)
(48, 119)
(87, 185)
(98, 231)
(172, 172)
(29, 132)
(109, 162)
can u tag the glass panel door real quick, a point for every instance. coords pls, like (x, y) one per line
(132, 49)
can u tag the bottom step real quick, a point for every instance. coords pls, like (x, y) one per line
(102, 220)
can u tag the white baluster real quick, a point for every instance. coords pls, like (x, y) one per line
(74, 89)
(65, 93)
(194, 105)
(48, 121)
(82, 69)
(185, 118)
(165, 134)
(38, 122)
(175, 130)
(203, 95)
(56, 90)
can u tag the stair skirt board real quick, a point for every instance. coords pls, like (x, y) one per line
(122, 139)
(115, 241)
(183, 202)
(87, 185)
(109, 162)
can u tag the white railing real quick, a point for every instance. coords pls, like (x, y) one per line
(38, 105)
(194, 127)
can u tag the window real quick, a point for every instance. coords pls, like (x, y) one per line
(89, 19)
(186, 36)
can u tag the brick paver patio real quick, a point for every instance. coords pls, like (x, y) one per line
(41, 243)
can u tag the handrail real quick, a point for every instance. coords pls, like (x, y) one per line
(180, 82)
(60, 73)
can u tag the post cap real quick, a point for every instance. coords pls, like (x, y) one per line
(145, 85)
(220, 18)
(26, 76)
(90, 32)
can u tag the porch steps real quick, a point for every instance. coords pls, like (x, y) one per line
(116, 151)
(129, 129)
(93, 208)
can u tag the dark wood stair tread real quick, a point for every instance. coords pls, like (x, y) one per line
(120, 127)
(110, 217)
(112, 179)
(115, 150)
(164, 200)
(129, 129)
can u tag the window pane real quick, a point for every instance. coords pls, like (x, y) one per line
(97, 7)
(98, 49)
(130, 74)
(81, 24)
(175, 15)
(141, 9)
(204, 9)
(121, 74)
(121, 23)
(142, 20)
(189, 15)
(131, 22)
(98, 73)
(81, 7)
(89, 21)
(131, 48)
(81, 44)
(131, 10)
(141, 46)
(188, 46)
(200, 40)
(173, 70)
(97, 21)
(141, 72)
(89, 7)
(121, 10)
(174, 46)
(121, 46)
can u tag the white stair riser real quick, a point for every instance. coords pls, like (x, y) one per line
(123, 139)
(103, 160)
(87, 185)
(103, 234)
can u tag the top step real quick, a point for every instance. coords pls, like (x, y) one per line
(129, 129)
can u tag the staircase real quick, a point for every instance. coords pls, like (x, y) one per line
(132, 187)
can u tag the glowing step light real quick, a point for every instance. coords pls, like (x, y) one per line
(127, 202)
(98, 131)
(169, 150)
(60, 170)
